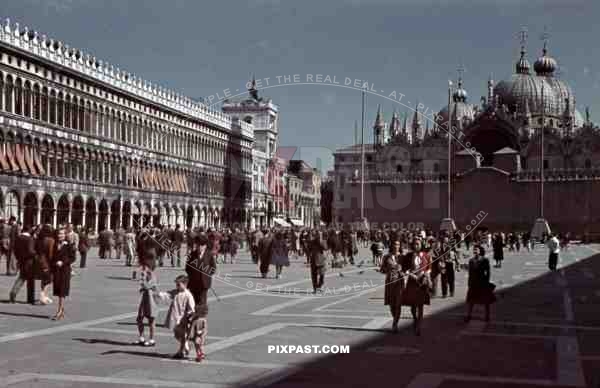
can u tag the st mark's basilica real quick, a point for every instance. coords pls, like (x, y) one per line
(495, 158)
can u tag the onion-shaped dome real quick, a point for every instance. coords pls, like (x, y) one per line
(564, 93)
(460, 94)
(522, 66)
(524, 89)
(460, 110)
(545, 65)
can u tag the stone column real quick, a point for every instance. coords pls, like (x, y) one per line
(70, 210)
(54, 215)
(37, 215)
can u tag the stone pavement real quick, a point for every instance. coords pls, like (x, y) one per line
(545, 331)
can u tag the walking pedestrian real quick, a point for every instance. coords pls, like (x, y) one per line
(84, 246)
(498, 246)
(180, 314)
(315, 253)
(265, 249)
(480, 290)
(280, 256)
(61, 271)
(147, 308)
(449, 265)
(46, 247)
(553, 251)
(417, 286)
(394, 282)
(200, 267)
(24, 250)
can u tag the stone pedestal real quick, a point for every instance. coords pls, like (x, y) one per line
(540, 227)
(448, 225)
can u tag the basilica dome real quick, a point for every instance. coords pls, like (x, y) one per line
(526, 89)
(460, 108)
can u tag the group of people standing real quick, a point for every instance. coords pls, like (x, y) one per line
(413, 266)
(46, 254)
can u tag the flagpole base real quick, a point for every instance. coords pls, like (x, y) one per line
(448, 225)
(540, 227)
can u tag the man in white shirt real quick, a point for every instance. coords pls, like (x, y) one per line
(554, 249)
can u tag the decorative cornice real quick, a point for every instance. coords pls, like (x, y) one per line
(76, 60)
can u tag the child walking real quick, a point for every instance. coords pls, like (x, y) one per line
(199, 329)
(147, 309)
(180, 314)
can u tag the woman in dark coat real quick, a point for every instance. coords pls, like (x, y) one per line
(416, 291)
(394, 282)
(498, 245)
(315, 252)
(61, 271)
(45, 247)
(480, 290)
(84, 246)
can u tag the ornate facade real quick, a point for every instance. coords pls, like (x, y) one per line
(84, 142)
(268, 169)
(495, 158)
(303, 194)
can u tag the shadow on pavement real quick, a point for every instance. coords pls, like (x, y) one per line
(119, 277)
(143, 354)
(104, 341)
(520, 346)
(39, 316)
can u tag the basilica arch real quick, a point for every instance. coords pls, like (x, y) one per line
(488, 135)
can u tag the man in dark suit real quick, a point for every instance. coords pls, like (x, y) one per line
(24, 248)
(265, 251)
(11, 265)
(177, 242)
(200, 268)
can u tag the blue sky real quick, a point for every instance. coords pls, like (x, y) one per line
(413, 47)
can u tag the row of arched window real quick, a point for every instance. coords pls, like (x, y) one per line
(32, 157)
(41, 103)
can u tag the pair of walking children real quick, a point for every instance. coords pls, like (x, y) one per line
(188, 320)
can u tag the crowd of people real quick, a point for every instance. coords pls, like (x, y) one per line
(415, 263)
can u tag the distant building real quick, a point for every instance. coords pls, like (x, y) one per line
(327, 193)
(495, 159)
(267, 172)
(84, 142)
(304, 194)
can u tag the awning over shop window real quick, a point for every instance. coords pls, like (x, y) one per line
(4, 161)
(280, 222)
(11, 158)
(21, 159)
(38, 164)
(296, 222)
(29, 160)
(186, 188)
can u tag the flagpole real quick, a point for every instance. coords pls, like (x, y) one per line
(362, 159)
(542, 157)
(449, 149)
